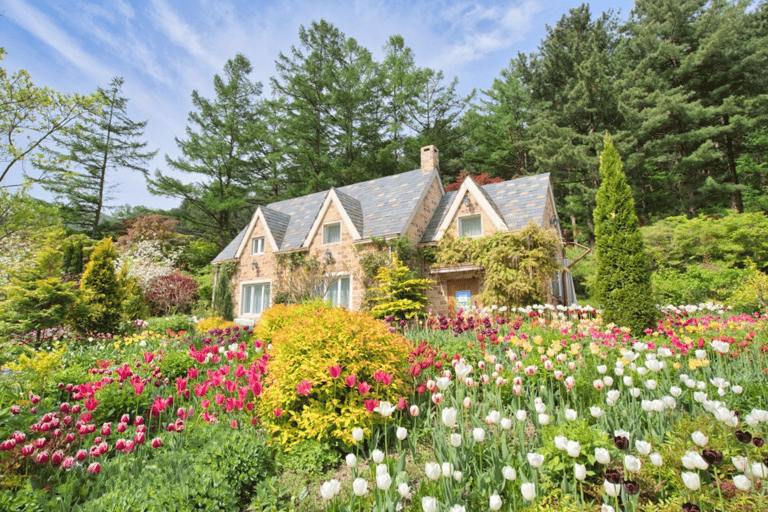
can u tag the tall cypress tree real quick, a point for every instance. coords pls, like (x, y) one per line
(623, 282)
(109, 140)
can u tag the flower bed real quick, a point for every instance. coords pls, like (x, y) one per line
(540, 407)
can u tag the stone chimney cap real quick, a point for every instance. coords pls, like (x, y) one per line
(429, 159)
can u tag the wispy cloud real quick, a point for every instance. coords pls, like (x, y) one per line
(40, 26)
(182, 34)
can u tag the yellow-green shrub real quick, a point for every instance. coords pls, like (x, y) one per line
(282, 315)
(214, 322)
(304, 349)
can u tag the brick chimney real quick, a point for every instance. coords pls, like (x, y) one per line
(429, 159)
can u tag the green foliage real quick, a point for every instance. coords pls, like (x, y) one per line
(173, 323)
(174, 364)
(400, 293)
(280, 316)
(697, 284)
(727, 241)
(222, 303)
(102, 292)
(198, 254)
(36, 299)
(623, 280)
(518, 266)
(299, 277)
(302, 352)
(310, 456)
(558, 464)
(752, 292)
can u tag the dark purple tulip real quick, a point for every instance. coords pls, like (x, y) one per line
(613, 476)
(690, 507)
(621, 442)
(743, 436)
(632, 487)
(712, 457)
(758, 441)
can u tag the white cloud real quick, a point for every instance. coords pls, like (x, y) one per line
(39, 25)
(181, 34)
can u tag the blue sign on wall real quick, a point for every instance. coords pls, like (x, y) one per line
(463, 299)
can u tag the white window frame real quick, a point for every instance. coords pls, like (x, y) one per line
(258, 244)
(479, 217)
(265, 303)
(325, 232)
(335, 280)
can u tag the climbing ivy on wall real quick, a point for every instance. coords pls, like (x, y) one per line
(519, 266)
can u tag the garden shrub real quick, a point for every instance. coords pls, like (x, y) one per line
(302, 400)
(214, 322)
(752, 292)
(175, 323)
(400, 293)
(283, 315)
(221, 299)
(310, 456)
(696, 284)
(171, 293)
(103, 295)
(623, 281)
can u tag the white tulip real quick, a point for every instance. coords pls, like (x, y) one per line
(529, 491)
(449, 417)
(632, 463)
(383, 481)
(432, 470)
(608, 380)
(580, 471)
(357, 434)
(573, 449)
(351, 460)
(401, 433)
(737, 389)
(478, 434)
(535, 459)
(447, 468)
(330, 489)
(602, 456)
(457, 476)
(377, 456)
(607, 508)
(493, 417)
(595, 411)
(675, 391)
(643, 447)
(611, 490)
(602, 369)
(442, 383)
(691, 480)
(628, 381)
(561, 443)
(521, 415)
(495, 502)
(458, 508)
(740, 463)
(571, 415)
(699, 438)
(506, 423)
(544, 419)
(651, 384)
(656, 459)
(428, 503)
(509, 472)
(742, 482)
(759, 470)
(455, 440)
(403, 489)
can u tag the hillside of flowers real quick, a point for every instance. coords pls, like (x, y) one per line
(542, 408)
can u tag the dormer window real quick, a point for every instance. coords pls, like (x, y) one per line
(471, 226)
(257, 245)
(332, 233)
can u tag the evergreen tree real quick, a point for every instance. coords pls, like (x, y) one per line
(223, 305)
(329, 108)
(623, 281)
(224, 153)
(102, 292)
(108, 140)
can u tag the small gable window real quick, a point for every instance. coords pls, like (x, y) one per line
(257, 245)
(332, 233)
(471, 226)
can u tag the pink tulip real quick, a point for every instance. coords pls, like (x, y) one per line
(350, 380)
(304, 387)
(64, 408)
(125, 418)
(334, 371)
(27, 450)
(157, 442)
(42, 457)
(15, 409)
(81, 455)
(57, 457)
(94, 468)
(40, 443)
(68, 463)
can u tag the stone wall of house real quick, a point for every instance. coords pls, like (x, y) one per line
(424, 212)
(343, 257)
(474, 208)
(246, 273)
(440, 297)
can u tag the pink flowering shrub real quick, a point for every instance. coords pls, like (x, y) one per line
(170, 294)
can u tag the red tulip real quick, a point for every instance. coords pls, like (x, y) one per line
(57, 457)
(15, 409)
(40, 443)
(42, 457)
(27, 450)
(94, 468)
(157, 442)
(81, 455)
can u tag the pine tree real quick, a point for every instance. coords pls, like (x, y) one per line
(623, 281)
(224, 154)
(109, 140)
(222, 296)
(102, 292)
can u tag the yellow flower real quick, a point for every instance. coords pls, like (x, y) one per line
(676, 365)
(538, 339)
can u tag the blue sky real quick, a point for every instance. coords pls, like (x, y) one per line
(165, 49)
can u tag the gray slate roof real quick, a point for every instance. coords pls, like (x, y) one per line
(379, 207)
(518, 202)
(277, 222)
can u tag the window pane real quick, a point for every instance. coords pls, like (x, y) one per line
(344, 292)
(333, 292)
(256, 299)
(331, 233)
(470, 226)
(247, 290)
(258, 246)
(265, 301)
